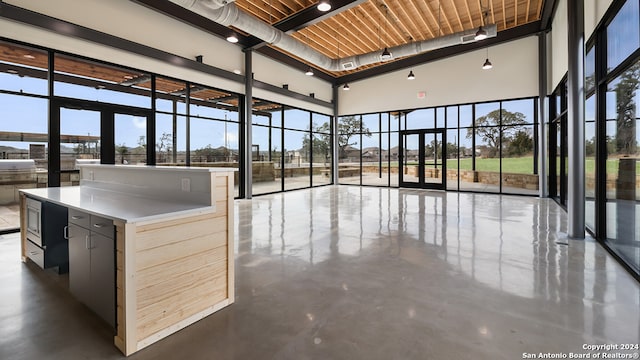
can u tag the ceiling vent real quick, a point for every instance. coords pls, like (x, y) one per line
(226, 13)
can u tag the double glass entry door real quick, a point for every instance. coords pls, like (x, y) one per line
(89, 133)
(423, 159)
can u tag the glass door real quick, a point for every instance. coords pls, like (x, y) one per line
(423, 159)
(79, 142)
(84, 133)
(434, 160)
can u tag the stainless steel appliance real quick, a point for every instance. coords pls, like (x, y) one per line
(47, 243)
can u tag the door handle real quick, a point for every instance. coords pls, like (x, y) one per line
(76, 217)
(65, 232)
(87, 242)
(99, 226)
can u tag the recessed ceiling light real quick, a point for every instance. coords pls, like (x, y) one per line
(128, 77)
(12, 71)
(324, 5)
(236, 71)
(28, 56)
(232, 38)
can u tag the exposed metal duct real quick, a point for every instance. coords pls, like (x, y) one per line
(227, 13)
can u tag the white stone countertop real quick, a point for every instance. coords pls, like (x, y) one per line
(116, 205)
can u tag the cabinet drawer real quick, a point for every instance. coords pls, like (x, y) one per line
(35, 253)
(79, 218)
(102, 226)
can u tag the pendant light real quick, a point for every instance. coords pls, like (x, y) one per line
(232, 38)
(386, 55)
(324, 5)
(481, 34)
(411, 76)
(346, 87)
(309, 71)
(487, 64)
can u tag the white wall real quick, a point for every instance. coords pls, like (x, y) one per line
(593, 12)
(558, 45)
(272, 72)
(455, 80)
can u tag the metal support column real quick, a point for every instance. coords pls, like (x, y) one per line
(543, 115)
(334, 137)
(575, 120)
(248, 140)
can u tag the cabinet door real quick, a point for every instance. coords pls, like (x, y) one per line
(103, 277)
(79, 264)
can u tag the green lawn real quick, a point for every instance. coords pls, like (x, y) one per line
(518, 165)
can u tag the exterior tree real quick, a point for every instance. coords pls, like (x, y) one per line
(123, 151)
(487, 127)
(348, 126)
(626, 110)
(164, 146)
(521, 144)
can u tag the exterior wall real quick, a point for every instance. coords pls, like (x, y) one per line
(455, 80)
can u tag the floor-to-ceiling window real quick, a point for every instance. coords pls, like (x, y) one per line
(291, 148)
(86, 111)
(612, 132)
(490, 147)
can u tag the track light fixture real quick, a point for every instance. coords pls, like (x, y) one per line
(324, 5)
(411, 76)
(309, 71)
(346, 87)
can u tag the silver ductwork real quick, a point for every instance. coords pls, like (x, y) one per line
(225, 12)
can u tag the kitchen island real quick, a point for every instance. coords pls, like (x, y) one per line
(171, 253)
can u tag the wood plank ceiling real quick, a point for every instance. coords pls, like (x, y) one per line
(375, 24)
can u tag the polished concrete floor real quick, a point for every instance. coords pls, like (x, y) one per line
(345, 272)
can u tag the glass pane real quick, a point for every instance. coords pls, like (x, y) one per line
(394, 153)
(623, 34)
(420, 119)
(590, 162)
(21, 140)
(264, 170)
(296, 119)
(467, 173)
(466, 116)
(372, 168)
(440, 117)
(25, 69)
(517, 112)
(371, 122)
(433, 158)
(518, 160)
(349, 128)
(452, 117)
(321, 145)
(622, 169)
(411, 156)
(82, 79)
(130, 137)
(453, 145)
(171, 96)
(79, 142)
(171, 139)
(590, 69)
(296, 164)
(487, 159)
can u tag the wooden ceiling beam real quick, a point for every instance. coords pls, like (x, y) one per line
(361, 45)
(405, 33)
(515, 13)
(504, 15)
(383, 12)
(455, 9)
(466, 4)
(435, 17)
(416, 9)
(415, 30)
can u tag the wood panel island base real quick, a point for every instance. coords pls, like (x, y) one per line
(174, 250)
